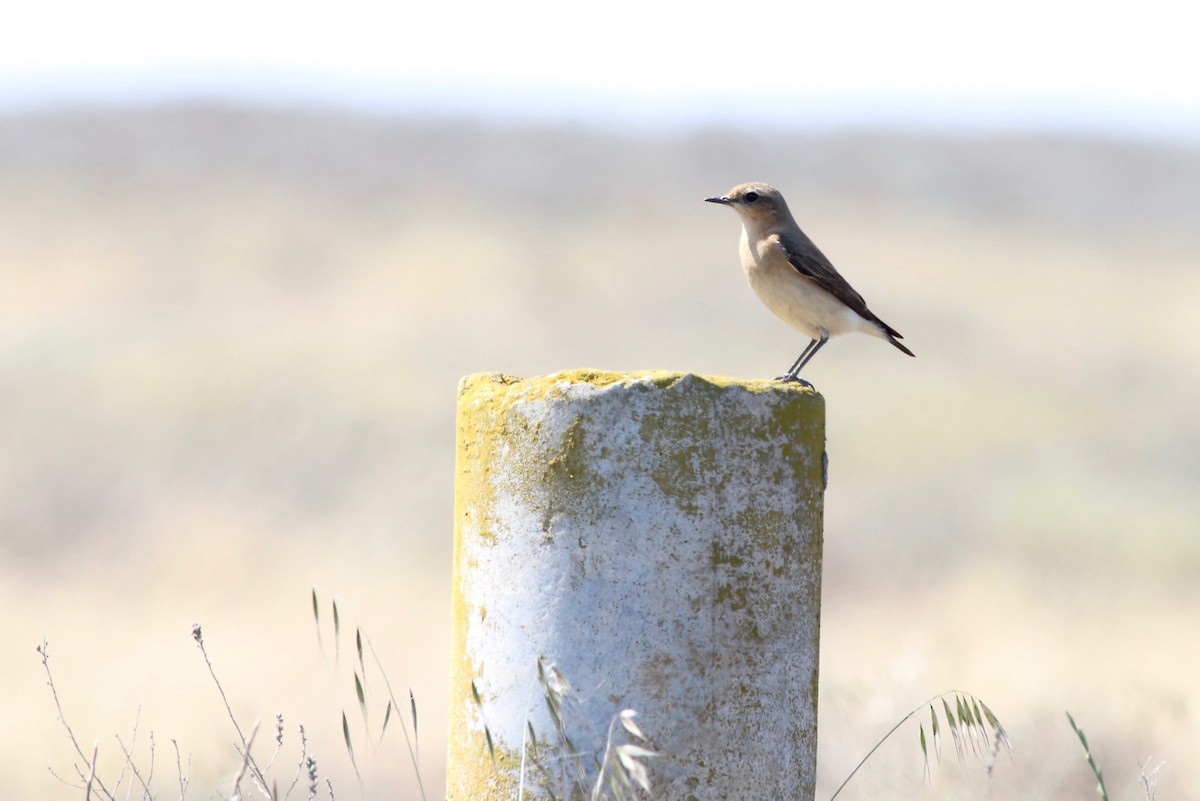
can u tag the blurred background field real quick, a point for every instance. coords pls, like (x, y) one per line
(230, 338)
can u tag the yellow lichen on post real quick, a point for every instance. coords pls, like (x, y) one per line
(657, 536)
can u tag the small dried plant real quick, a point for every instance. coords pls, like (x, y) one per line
(1149, 780)
(574, 762)
(973, 727)
(137, 780)
(367, 675)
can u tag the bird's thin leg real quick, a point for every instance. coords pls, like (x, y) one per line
(793, 375)
(796, 365)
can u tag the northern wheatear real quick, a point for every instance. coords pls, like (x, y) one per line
(794, 279)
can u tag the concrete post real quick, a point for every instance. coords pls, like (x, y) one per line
(658, 537)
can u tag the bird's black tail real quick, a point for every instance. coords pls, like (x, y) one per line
(893, 336)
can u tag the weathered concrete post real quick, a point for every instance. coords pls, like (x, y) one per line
(658, 537)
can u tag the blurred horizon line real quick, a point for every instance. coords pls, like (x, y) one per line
(609, 112)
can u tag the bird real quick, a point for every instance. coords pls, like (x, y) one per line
(793, 279)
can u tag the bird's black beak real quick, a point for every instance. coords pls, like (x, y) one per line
(724, 201)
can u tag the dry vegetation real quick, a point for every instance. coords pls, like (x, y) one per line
(229, 345)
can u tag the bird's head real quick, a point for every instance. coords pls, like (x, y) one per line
(757, 203)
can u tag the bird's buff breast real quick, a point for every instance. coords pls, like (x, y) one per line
(791, 297)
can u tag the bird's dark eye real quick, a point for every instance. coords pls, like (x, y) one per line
(750, 197)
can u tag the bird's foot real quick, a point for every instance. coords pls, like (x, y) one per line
(793, 379)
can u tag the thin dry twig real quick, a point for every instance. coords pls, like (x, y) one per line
(183, 778)
(278, 741)
(248, 762)
(137, 719)
(237, 780)
(299, 764)
(198, 636)
(132, 766)
(92, 779)
(87, 795)
(1150, 781)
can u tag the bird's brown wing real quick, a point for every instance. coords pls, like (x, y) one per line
(810, 262)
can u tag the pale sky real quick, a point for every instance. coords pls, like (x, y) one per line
(1129, 66)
